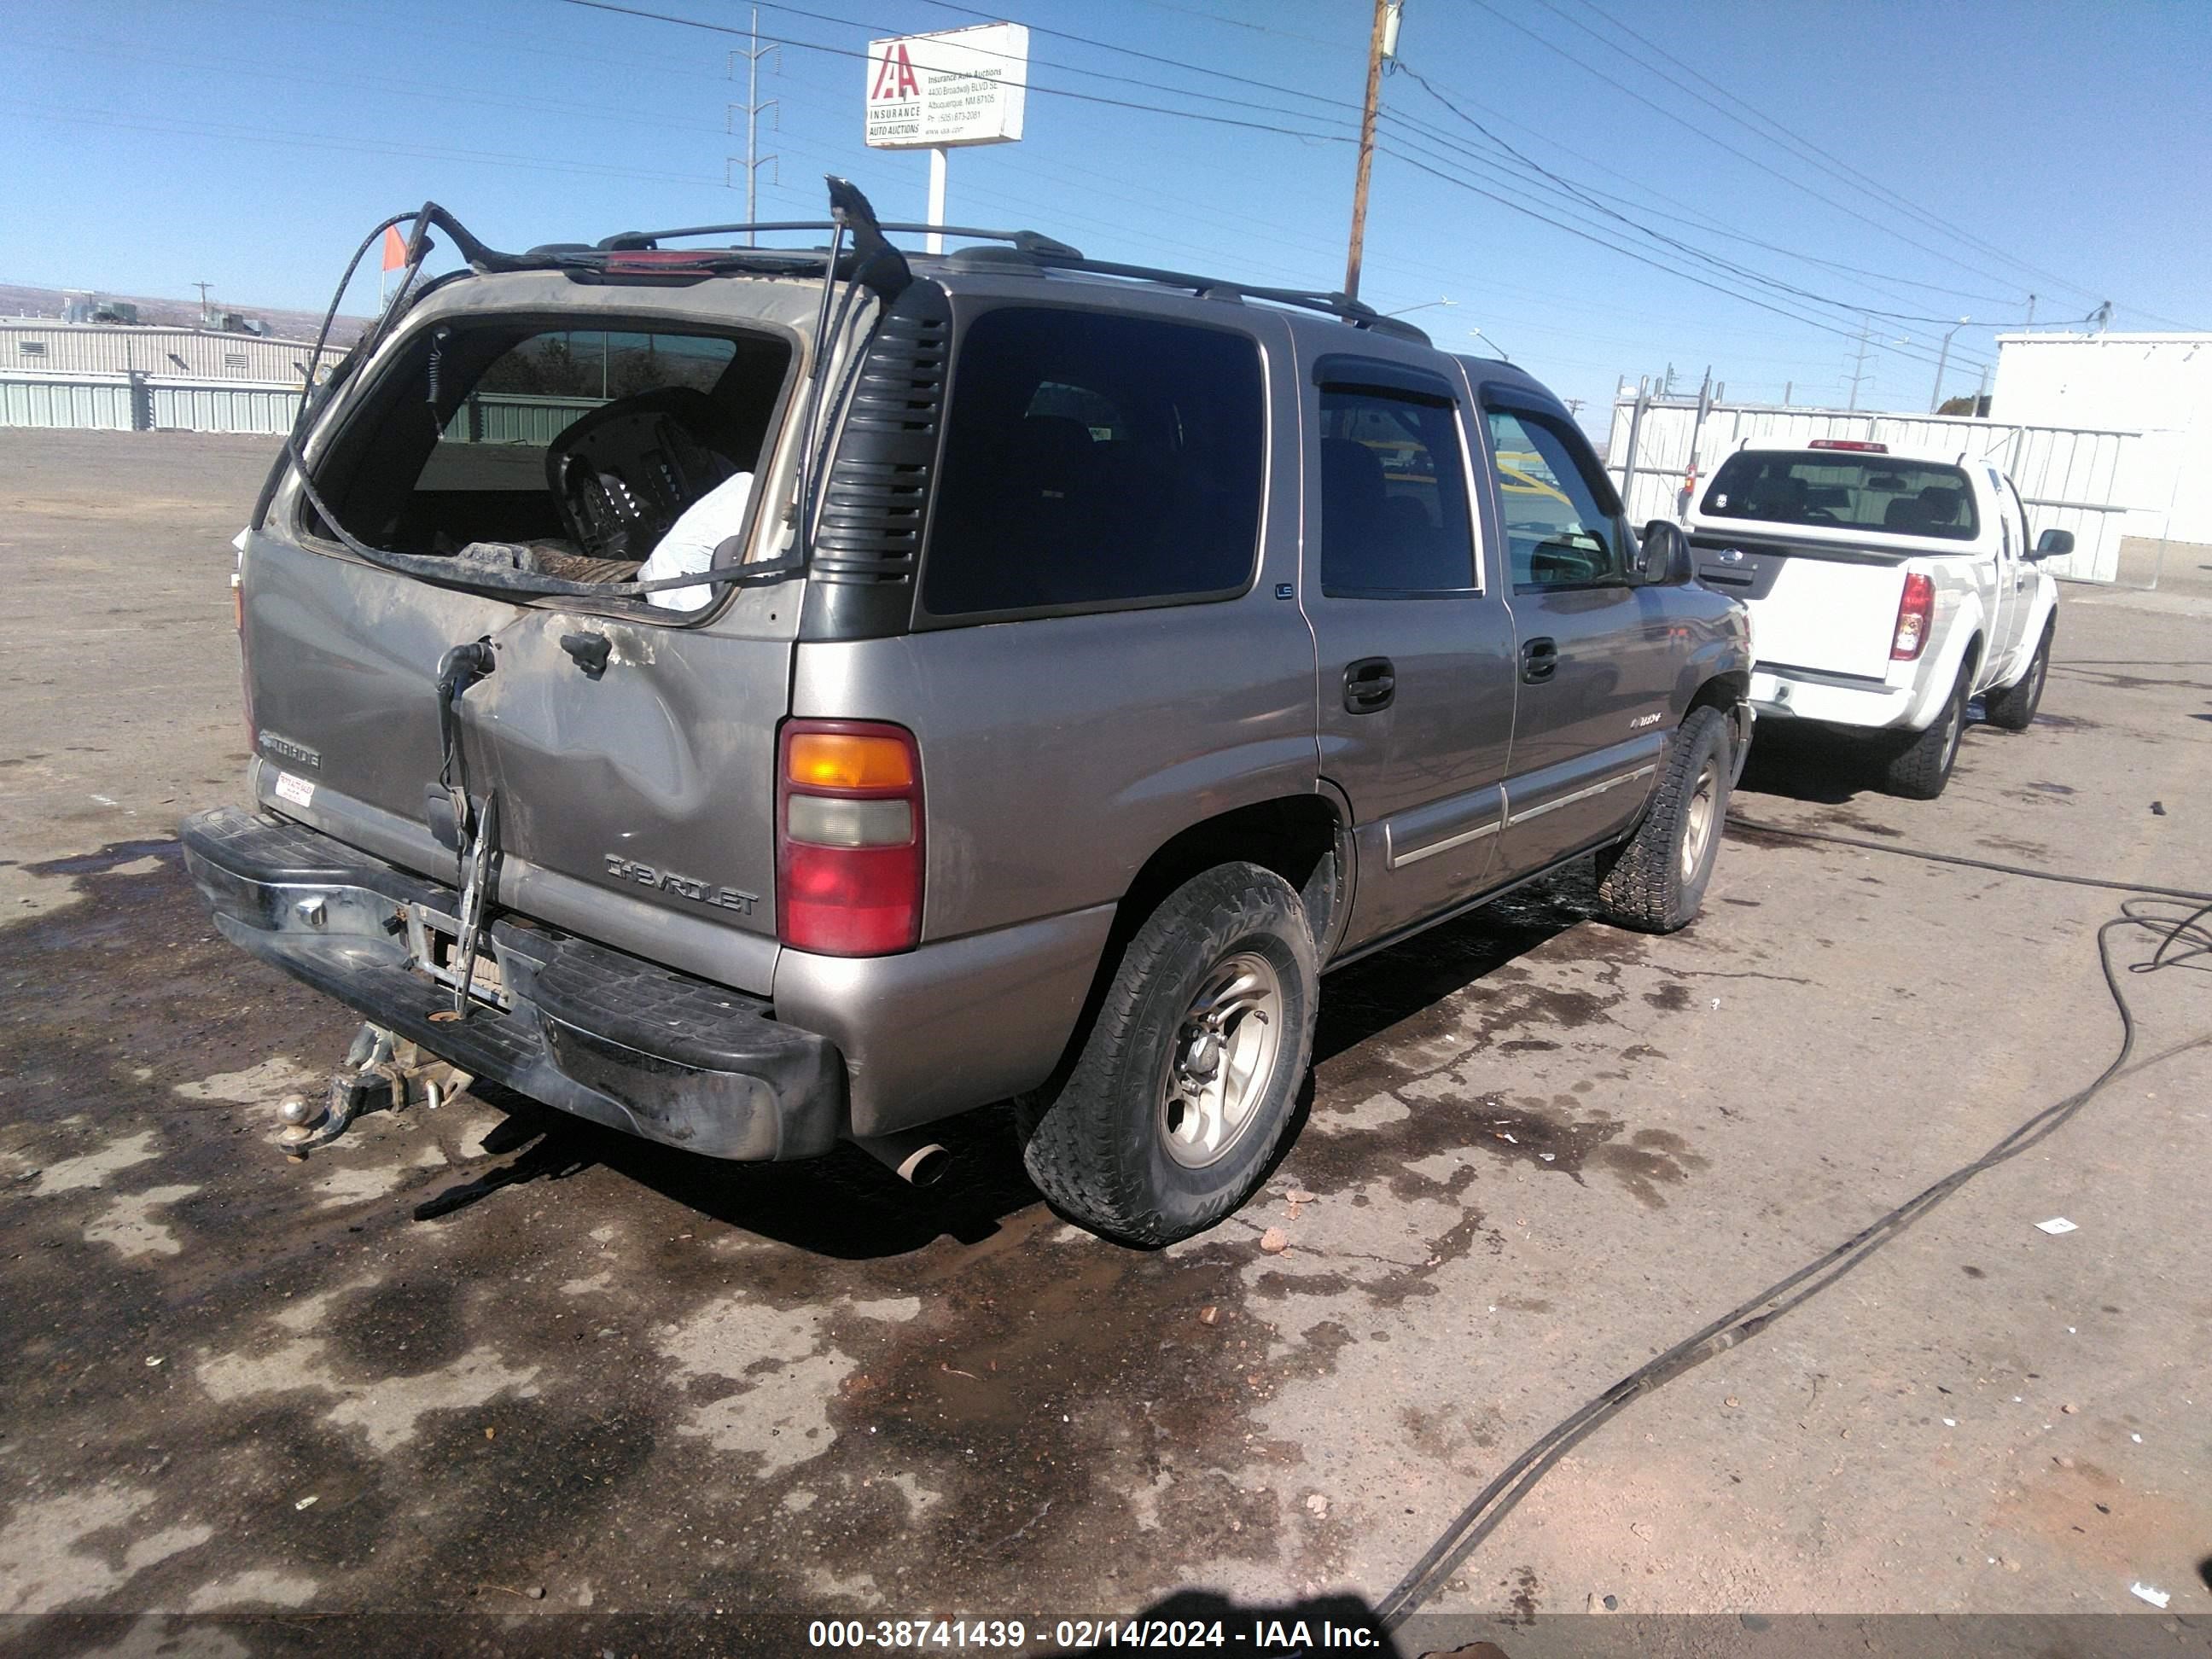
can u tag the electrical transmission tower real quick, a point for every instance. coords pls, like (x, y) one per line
(753, 161)
(1858, 363)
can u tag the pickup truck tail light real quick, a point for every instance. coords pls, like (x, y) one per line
(848, 866)
(1915, 616)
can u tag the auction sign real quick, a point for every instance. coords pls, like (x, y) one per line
(960, 86)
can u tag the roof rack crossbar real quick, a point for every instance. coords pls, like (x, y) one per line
(1029, 241)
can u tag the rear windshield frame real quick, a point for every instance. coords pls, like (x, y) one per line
(366, 398)
(1729, 486)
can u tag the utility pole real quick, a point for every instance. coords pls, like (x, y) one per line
(1382, 43)
(2031, 312)
(204, 287)
(1942, 359)
(752, 53)
(1858, 363)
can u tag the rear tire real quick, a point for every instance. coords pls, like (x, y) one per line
(2012, 707)
(1173, 1108)
(1655, 881)
(1923, 766)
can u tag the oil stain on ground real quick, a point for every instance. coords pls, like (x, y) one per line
(990, 1405)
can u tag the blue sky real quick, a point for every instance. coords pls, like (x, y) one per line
(2059, 150)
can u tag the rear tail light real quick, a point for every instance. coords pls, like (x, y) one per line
(1859, 444)
(1916, 614)
(849, 869)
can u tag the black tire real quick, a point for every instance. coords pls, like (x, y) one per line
(1106, 1142)
(1919, 767)
(2012, 707)
(1655, 881)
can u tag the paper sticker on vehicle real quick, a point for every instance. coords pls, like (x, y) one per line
(299, 791)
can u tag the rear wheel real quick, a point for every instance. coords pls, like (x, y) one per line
(1920, 769)
(2012, 707)
(1655, 881)
(1188, 1076)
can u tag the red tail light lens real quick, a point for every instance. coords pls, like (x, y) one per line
(849, 819)
(1915, 617)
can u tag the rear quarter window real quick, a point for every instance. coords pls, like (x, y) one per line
(1092, 460)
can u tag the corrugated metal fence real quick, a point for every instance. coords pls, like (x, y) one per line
(163, 403)
(510, 418)
(2068, 477)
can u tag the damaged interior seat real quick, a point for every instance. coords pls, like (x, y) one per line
(623, 474)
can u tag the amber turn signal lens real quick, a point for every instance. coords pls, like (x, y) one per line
(844, 760)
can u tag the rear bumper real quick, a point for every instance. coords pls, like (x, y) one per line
(587, 1030)
(1781, 693)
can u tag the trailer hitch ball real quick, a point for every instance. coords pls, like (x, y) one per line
(302, 1117)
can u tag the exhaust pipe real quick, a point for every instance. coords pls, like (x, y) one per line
(912, 1155)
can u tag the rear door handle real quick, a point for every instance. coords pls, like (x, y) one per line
(1369, 686)
(1539, 660)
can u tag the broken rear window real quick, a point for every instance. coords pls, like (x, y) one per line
(588, 455)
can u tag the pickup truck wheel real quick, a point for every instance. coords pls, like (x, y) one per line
(1655, 881)
(1922, 767)
(1188, 1077)
(2012, 707)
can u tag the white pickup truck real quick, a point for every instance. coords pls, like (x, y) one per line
(1886, 592)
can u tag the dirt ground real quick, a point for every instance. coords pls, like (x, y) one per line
(603, 1379)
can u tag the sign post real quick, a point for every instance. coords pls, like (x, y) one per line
(934, 92)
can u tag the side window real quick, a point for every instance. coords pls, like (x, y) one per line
(1094, 460)
(1558, 533)
(1393, 507)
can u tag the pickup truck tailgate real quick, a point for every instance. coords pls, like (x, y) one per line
(1828, 609)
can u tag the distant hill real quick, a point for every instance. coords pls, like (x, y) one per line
(19, 300)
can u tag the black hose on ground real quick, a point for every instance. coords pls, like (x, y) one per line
(2185, 934)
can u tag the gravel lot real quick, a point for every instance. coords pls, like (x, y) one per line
(609, 1377)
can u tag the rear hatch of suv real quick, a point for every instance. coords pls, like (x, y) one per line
(530, 422)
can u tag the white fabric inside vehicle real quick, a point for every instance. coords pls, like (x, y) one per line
(690, 544)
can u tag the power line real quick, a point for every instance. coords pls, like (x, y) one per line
(1828, 161)
(1744, 272)
(1836, 166)
(1801, 149)
(1057, 92)
(1692, 126)
(1638, 255)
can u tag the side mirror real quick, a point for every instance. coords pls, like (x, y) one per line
(1664, 560)
(2053, 544)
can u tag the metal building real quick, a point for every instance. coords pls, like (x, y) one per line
(2159, 385)
(40, 346)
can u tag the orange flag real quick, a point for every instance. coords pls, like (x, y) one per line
(395, 248)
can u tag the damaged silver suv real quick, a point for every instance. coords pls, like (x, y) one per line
(758, 697)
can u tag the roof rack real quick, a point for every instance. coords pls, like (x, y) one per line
(1342, 306)
(1045, 252)
(1050, 253)
(1028, 242)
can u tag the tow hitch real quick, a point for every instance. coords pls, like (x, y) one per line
(379, 1068)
